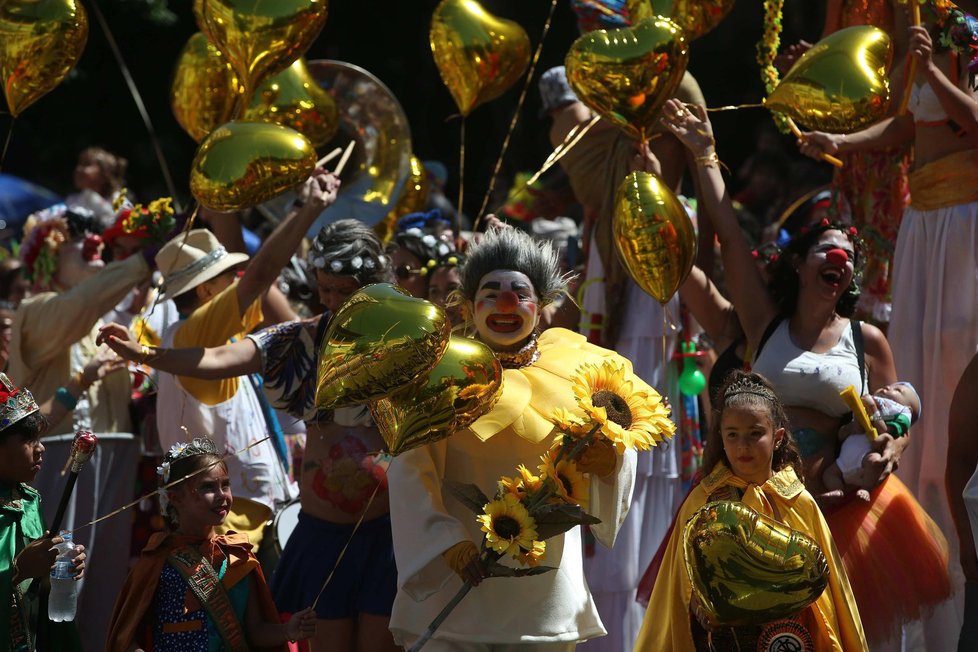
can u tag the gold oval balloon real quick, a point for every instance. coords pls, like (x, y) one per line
(380, 339)
(748, 569)
(40, 42)
(627, 74)
(653, 234)
(204, 89)
(241, 164)
(696, 17)
(414, 197)
(478, 55)
(840, 85)
(292, 98)
(463, 386)
(260, 38)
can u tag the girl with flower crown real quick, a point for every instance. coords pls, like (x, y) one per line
(799, 328)
(192, 589)
(751, 457)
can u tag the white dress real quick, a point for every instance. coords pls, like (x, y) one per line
(933, 334)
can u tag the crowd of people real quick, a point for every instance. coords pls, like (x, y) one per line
(196, 363)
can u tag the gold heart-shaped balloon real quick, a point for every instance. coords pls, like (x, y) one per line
(653, 234)
(40, 42)
(696, 17)
(627, 74)
(242, 164)
(840, 85)
(748, 569)
(292, 98)
(260, 38)
(463, 386)
(380, 339)
(204, 89)
(478, 55)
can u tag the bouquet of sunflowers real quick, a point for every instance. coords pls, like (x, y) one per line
(535, 505)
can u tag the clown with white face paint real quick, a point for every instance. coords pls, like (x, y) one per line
(507, 309)
(506, 282)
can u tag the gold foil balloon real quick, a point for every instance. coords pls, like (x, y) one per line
(380, 339)
(241, 164)
(627, 74)
(204, 89)
(414, 197)
(653, 234)
(696, 17)
(260, 38)
(748, 569)
(463, 386)
(292, 98)
(40, 42)
(478, 55)
(840, 85)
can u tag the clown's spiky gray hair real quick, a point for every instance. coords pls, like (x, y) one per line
(516, 251)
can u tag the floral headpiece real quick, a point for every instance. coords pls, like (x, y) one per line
(154, 221)
(197, 446)
(959, 34)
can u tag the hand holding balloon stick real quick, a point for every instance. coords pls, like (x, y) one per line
(82, 448)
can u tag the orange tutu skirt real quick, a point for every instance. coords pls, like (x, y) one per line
(895, 557)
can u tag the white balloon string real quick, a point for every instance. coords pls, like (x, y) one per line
(516, 116)
(140, 106)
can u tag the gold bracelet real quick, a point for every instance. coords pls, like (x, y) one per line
(708, 160)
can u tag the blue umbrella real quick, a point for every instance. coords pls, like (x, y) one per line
(19, 198)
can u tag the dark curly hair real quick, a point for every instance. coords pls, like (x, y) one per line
(784, 283)
(750, 391)
(28, 428)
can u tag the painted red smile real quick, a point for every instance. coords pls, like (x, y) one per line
(504, 322)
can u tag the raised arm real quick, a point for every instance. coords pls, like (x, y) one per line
(750, 296)
(959, 105)
(227, 361)
(962, 459)
(318, 192)
(710, 308)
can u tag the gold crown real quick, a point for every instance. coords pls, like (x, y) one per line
(15, 407)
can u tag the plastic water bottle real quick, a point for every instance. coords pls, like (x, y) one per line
(64, 589)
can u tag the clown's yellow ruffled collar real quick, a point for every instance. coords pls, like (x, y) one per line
(532, 393)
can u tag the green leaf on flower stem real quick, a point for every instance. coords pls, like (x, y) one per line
(552, 520)
(494, 569)
(467, 494)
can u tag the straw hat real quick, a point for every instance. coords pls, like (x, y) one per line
(189, 259)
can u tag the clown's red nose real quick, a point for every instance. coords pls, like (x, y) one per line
(507, 301)
(837, 257)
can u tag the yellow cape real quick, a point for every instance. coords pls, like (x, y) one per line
(836, 621)
(531, 394)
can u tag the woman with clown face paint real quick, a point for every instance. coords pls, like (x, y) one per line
(507, 280)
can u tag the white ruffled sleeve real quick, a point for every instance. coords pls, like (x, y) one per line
(611, 497)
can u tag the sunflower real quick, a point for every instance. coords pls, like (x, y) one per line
(521, 485)
(570, 423)
(509, 528)
(628, 417)
(570, 485)
(533, 557)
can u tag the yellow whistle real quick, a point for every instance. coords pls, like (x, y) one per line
(851, 397)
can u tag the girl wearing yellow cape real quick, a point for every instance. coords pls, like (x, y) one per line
(751, 457)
